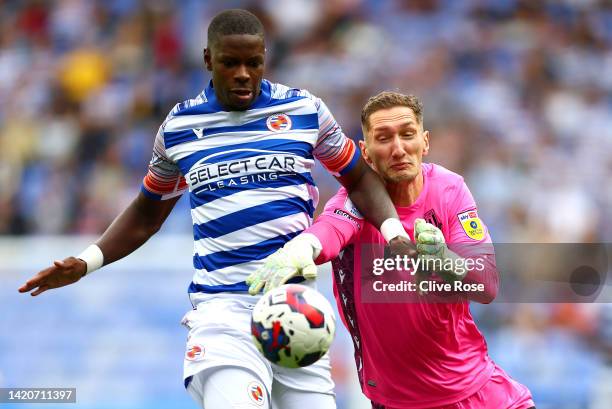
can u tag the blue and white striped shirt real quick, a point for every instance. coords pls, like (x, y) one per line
(248, 175)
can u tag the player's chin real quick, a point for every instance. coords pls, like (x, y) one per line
(400, 176)
(239, 103)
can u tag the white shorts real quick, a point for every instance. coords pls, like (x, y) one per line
(220, 335)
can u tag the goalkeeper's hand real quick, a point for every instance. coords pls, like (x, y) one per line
(296, 258)
(434, 253)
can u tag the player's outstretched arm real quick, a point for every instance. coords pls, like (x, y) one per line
(368, 193)
(130, 230)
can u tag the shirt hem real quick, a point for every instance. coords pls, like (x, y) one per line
(464, 394)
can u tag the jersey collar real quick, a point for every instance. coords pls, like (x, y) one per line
(261, 101)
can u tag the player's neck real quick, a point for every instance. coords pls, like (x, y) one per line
(405, 193)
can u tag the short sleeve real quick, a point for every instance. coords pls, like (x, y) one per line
(164, 179)
(337, 226)
(465, 226)
(333, 149)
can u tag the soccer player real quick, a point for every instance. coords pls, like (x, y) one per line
(245, 149)
(409, 355)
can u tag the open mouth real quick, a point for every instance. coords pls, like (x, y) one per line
(242, 94)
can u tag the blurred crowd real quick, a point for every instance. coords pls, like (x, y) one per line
(517, 95)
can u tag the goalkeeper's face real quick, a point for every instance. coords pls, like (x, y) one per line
(395, 144)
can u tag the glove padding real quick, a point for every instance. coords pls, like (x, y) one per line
(296, 258)
(433, 251)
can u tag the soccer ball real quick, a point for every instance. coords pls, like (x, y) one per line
(293, 325)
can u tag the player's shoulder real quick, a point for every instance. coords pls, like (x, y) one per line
(281, 92)
(440, 177)
(341, 204)
(195, 105)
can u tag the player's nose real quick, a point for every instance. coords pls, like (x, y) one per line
(242, 74)
(397, 150)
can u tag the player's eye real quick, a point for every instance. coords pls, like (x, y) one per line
(254, 63)
(229, 63)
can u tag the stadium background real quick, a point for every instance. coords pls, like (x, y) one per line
(518, 98)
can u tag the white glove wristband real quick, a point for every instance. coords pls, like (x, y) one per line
(308, 239)
(392, 228)
(93, 258)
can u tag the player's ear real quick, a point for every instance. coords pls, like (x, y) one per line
(426, 138)
(207, 59)
(364, 152)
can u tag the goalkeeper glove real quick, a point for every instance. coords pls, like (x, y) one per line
(433, 252)
(295, 258)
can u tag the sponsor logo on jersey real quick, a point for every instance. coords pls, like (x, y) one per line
(350, 207)
(472, 226)
(262, 166)
(256, 393)
(199, 132)
(347, 216)
(194, 352)
(279, 122)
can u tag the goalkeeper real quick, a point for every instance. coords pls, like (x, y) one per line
(408, 355)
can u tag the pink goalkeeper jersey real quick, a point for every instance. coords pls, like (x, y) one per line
(410, 355)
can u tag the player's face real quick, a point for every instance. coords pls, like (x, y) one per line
(395, 144)
(237, 64)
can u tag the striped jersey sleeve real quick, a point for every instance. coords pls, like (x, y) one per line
(333, 149)
(164, 179)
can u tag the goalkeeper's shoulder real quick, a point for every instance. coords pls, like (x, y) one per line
(443, 181)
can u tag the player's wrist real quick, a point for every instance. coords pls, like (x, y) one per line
(392, 228)
(305, 242)
(93, 258)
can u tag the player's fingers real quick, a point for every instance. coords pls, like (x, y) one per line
(33, 282)
(420, 226)
(281, 277)
(256, 287)
(310, 271)
(251, 278)
(40, 290)
(429, 237)
(428, 249)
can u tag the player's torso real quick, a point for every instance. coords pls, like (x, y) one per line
(250, 183)
(420, 343)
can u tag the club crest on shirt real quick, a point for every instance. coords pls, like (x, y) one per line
(471, 224)
(432, 218)
(256, 393)
(194, 352)
(279, 122)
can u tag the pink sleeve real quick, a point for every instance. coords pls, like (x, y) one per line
(468, 236)
(464, 225)
(336, 226)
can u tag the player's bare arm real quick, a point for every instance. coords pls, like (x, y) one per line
(370, 196)
(130, 230)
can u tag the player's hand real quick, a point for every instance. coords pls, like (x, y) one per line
(402, 246)
(296, 258)
(433, 251)
(61, 273)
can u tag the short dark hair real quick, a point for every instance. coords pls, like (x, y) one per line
(390, 99)
(233, 21)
